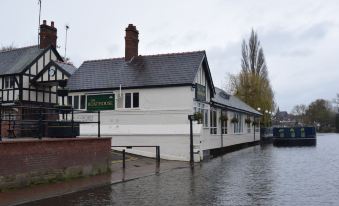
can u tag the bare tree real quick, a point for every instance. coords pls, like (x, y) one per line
(7, 48)
(299, 111)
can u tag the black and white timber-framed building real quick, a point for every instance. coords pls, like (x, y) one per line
(31, 76)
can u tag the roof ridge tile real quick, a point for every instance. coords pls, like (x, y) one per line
(148, 55)
(97, 60)
(174, 53)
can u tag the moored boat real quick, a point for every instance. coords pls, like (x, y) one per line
(294, 136)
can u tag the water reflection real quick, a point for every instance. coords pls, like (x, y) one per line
(253, 176)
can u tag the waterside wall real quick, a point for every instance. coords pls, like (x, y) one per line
(30, 162)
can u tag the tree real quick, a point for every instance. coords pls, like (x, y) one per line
(299, 112)
(7, 48)
(252, 84)
(320, 114)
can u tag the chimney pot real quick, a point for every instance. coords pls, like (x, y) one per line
(131, 42)
(48, 35)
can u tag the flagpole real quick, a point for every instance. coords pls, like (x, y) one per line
(67, 27)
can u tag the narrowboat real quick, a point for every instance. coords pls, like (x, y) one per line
(294, 136)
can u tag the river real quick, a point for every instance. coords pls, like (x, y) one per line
(259, 175)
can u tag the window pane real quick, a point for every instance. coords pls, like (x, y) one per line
(135, 100)
(69, 100)
(205, 118)
(76, 102)
(128, 100)
(82, 102)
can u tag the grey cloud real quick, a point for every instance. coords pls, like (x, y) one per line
(316, 31)
(297, 53)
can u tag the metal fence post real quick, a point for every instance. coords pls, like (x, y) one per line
(157, 152)
(73, 122)
(254, 133)
(123, 159)
(40, 124)
(99, 123)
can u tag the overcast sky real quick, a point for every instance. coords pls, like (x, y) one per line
(300, 38)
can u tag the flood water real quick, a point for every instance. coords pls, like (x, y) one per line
(260, 175)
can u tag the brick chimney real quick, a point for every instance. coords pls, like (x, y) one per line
(48, 35)
(131, 42)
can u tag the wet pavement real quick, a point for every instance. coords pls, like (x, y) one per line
(136, 167)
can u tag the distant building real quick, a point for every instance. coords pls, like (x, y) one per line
(284, 118)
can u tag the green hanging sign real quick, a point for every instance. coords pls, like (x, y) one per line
(100, 102)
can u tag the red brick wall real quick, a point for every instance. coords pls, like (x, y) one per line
(52, 158)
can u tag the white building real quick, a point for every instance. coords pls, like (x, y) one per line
(146, 100)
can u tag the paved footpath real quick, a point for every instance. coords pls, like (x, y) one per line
(136, 167)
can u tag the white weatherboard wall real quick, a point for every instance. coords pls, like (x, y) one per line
(162, 120)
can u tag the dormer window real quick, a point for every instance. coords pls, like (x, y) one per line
(9, 82)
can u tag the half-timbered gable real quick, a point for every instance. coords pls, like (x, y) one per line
(53, 72)
(32, 81)
(20, 68)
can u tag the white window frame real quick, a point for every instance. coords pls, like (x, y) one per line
(238, 127)
(79, 101)
(224, 124)
(249, 125)
(205, 114)
(132, 106)
(213, 121)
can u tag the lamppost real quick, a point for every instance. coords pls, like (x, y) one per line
(271, 118)
(266, 118)
(254, 125)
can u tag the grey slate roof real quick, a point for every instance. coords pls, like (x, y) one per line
(232, 101)
(69, 68)
(142, 71)
(16, 60)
